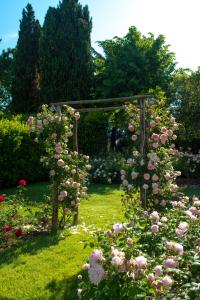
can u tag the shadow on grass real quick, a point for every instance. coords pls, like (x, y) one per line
(30, 247)
(102, 189)
(6, 298)
(64, 289)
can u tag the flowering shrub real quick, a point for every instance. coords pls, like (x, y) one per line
(11, 221)
(67, 168)
(153, 256)
(107, 169)
(153, 170)
(189, 163)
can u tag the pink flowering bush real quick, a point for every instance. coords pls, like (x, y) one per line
(135, 261)
(67, 168)
(153, 172)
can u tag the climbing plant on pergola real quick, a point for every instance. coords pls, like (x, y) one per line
(105, 105)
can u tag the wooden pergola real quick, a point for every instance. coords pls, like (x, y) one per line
(109, 105)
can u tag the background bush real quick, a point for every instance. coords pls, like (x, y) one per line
(19, 154)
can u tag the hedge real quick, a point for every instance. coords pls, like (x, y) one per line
(19, 154)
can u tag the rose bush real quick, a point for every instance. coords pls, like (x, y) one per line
(67, 168)
(153, 256)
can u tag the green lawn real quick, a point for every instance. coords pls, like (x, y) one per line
(46, 266)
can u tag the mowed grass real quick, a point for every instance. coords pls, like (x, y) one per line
(46, 266)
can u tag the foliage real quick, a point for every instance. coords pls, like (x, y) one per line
(19, 156)
(65, 53)
(133, 64)
(6, 77)
(106, 169)
(151, 171)
(89, 124)
(153, 255)
(185, 104)
(67, 168)
(11, 220)
(188, 163)
(26, 83)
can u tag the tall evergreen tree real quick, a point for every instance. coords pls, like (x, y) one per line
(26, 83)
(65, 53)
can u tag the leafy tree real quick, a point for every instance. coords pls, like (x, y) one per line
(6, 77)
(133, 64)
(26, 83)
(65, 50)
(185, 103)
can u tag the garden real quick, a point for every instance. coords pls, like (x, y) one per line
(99, 198)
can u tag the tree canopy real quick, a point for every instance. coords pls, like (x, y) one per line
(65, 53)
(26, 83)
(133, 64)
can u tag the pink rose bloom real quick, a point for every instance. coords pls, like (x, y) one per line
(60, 163)
(63, 194)
(154, 185)
(155, 191)
(178, 248)
(150, 167)
(118, 227)
(30, 120)
(163, 138)
(167, 281)
(170, 263)
(169, 245)
(131, 128)
(146, 176)
(169, 132)
(174, 137)
(151, 277)
(163, 129)
(183, 226)
(59, 150)
(155, 145)
(60, 198)
(145, 186)
(158, 270)
(117, 261)
(163, 203)
(155, 216)
(152, 123)
(96, 256)
(86, 267)
(155, 137)
(45, 122)
(155, 228)
(155, 177)
(96, 274)
(122, 172)
(52, 173)
(134, 137)
(157, 119)
(180, 233)
(129, 241)
(125, 182)
(141, 262)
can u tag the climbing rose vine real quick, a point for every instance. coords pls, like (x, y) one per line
(67, 168)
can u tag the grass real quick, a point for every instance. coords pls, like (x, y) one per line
(46, 266)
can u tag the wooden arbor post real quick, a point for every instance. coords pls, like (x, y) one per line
(76, 177)
(142, 147)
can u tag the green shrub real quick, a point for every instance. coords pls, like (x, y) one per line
(19, 155)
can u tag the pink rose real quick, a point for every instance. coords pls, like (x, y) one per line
(146, 176)
(134, 137)
(167, 281)
(155, 228)
(60, 163)
(141, 262)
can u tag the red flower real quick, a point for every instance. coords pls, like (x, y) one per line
(2, 198)
(22, 182)
(18, 232)
(6, 229)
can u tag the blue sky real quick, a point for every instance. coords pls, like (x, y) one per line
(178, 20)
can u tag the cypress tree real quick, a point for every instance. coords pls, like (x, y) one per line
(66, 60)
(26, 83)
